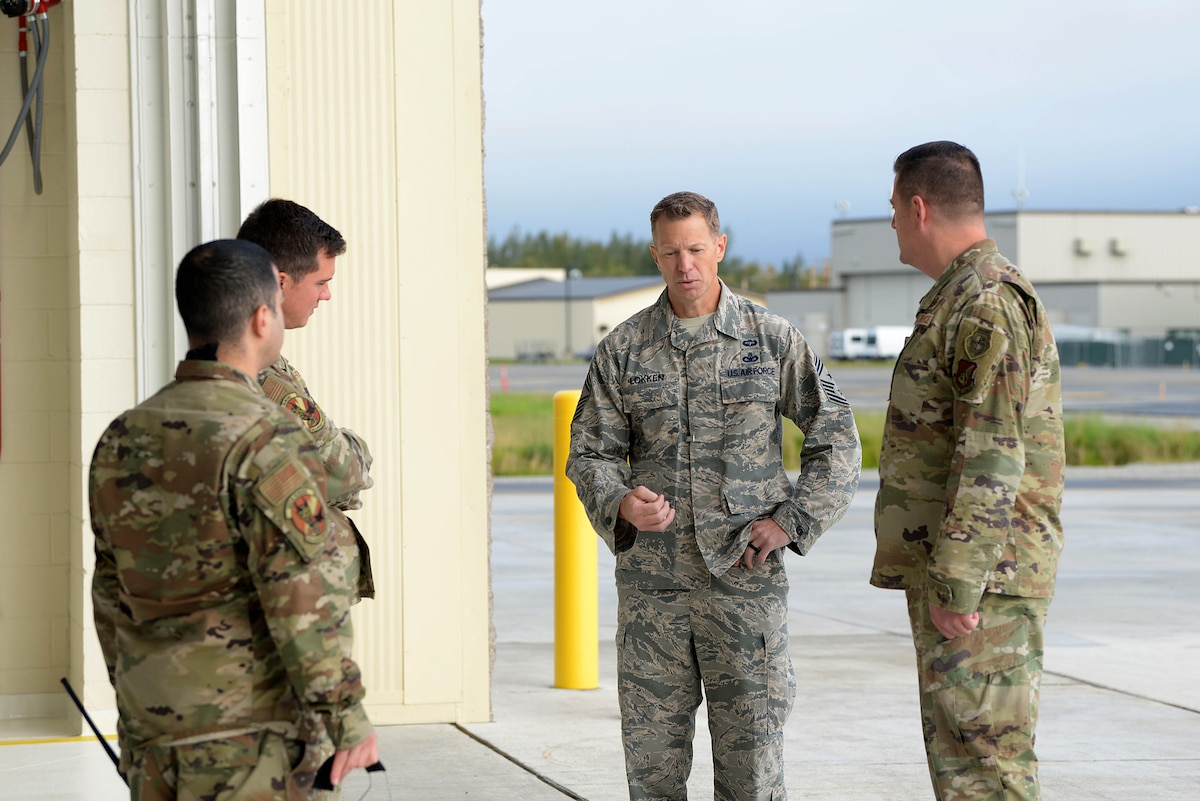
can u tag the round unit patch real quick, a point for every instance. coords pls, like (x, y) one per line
(305, 409)
(306, 513)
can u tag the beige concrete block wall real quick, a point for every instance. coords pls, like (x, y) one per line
(34, 399)
(102, 292)
(376, 124)
(66, 352)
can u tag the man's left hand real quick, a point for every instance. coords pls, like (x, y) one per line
(765, 536)
(952, 624)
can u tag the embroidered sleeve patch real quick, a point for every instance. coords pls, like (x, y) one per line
(309, 412)
(306, 513)
(291, 501)
(980, 349)
(964, 376)
(830, 386)
(296, 402)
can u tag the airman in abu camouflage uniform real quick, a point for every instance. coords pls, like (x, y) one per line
(971, 477)
(676, 456)
(305, 249)
(221, 588)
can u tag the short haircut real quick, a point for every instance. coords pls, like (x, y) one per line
(945, 174)
(292, 234)
(219, 285)
(681, 205)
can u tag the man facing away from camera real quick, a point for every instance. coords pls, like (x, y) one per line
(221, 590)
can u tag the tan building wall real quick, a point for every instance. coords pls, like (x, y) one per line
(1121, 270)
(406, 372)
(507, 276)
(609, 312)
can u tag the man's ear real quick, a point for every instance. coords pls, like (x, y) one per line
(920, 211)
(260, 321)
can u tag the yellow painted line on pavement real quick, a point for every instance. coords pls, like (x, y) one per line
(43, 740)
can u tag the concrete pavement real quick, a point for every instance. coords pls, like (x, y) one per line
(1120, 705)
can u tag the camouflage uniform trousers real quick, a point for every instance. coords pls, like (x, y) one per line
(728, 640)
(257, 766)
(979, 699)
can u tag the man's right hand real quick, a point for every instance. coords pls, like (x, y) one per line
(362, 755)
(646, 511)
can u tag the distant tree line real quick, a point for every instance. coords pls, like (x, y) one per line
(623, 255)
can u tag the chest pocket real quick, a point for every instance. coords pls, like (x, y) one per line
(748, 402)
(653, 412)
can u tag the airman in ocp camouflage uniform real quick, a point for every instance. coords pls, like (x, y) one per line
(676, 455)
(221, 588)
(305, 249)
(345, 458)
(971, 478)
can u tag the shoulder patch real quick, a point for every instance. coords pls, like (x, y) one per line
(979, 349)
(830, 386)
(298, 403)
(291, 500)
(306, 513)
(308, 411)
(274, 386)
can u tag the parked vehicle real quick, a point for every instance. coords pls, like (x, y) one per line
(873, 342)
(848, 343)
(886, 341)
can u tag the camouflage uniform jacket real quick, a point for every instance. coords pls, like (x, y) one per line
(699, 420)
(344, 454)
(220, 586)
(971, 468)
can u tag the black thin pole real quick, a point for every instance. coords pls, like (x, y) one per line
(79, 705)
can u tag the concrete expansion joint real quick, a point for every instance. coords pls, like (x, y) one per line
(1106, 688)
(568, 792)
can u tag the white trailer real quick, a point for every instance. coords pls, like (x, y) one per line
(848, 343)
(886, 341)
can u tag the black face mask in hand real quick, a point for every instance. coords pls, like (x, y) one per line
(322, 781)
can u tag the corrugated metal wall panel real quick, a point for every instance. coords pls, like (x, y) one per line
(376, 125)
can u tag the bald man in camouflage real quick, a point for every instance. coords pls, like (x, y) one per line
(971, 479)
(676, 456)
(222, 587)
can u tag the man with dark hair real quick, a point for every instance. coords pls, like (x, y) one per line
(967, 518)
(221, 621)
(676, 456)
(305, 248)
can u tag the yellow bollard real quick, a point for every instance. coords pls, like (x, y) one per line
(576, 590)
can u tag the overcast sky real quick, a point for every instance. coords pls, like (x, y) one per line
(779, 110)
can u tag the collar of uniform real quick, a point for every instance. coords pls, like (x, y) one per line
(728, 317)
(662, 319)
(195, 370)
(968, 256)
(725, 319)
